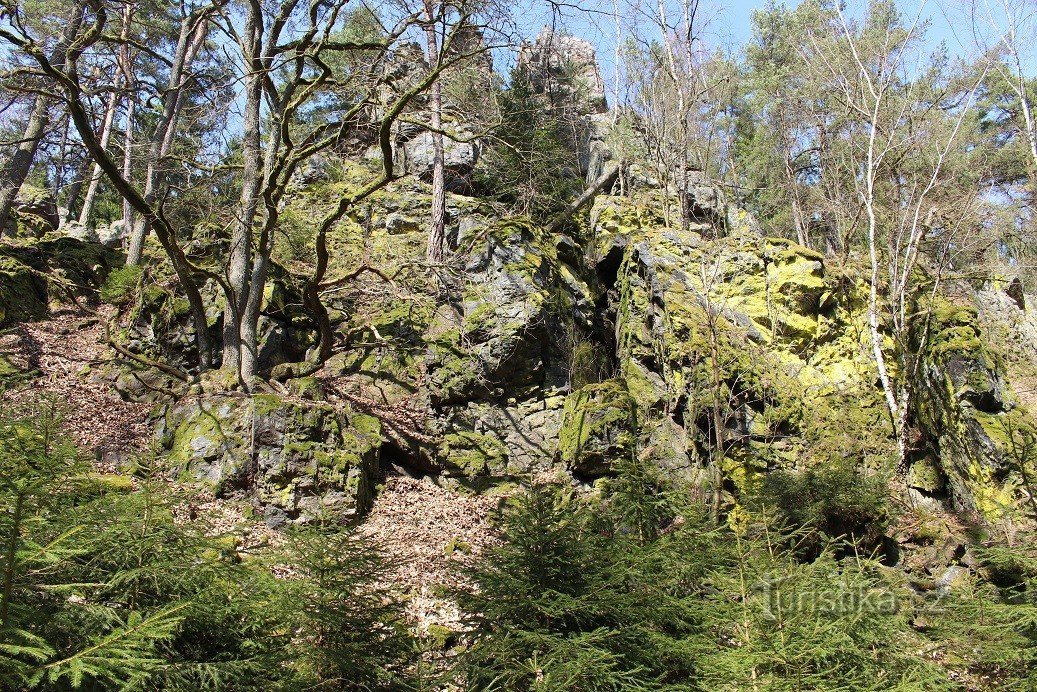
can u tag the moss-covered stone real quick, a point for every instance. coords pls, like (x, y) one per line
(105, 483)
(35, 274)
(440, 637)
(968, 408)
(302, 459)
(925, 475)
(470, 454)
(598, 428)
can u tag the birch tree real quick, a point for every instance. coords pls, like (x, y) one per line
(899, 118)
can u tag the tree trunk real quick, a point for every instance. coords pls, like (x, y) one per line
(131, 108)
(193, 31)
(240, 257)
(437, 226)
(17, 170)
(607, 178)
(86, 213)
(128, 215)
(123, 79)
(74, 189)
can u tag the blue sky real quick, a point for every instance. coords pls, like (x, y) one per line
(727, 24)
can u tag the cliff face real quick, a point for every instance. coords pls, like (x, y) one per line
(710, 353)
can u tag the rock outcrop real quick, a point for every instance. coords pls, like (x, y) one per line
(33, 276)
(564, 65)
(531, 353)
(296, 458)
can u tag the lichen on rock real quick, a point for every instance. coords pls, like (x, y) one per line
(598, 428)
(299, 461)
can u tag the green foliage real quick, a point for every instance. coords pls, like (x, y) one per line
(831, 502)
(988, 627)
(828, 624)
(350, 632)
(104, 590)
(640, 591)
(121, 285)
(533, 163)
(64, 620)
(556, 609)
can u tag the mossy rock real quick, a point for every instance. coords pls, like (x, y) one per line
(598, 428)
(35, 274)
(440, 637)
(469, 454)
(926, 475)
(966, 405)
(298, 460)
(107, 483)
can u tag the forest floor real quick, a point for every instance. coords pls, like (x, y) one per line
(427, 533)
(58, 354)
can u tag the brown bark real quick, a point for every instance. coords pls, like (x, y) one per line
(13, 175)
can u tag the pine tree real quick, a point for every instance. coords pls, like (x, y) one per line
(543, 619)
(51, 633)
(532, 162)
(830, 623)
(986, 625)
(104, 588)
(350, 634)
(587, 597)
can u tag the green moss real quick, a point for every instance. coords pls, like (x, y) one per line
(992, 499)
(23, 294)
(7, 368)
(200, 436)
(470, 454)
(953, 329)
(366, 425)
(306, 388)
(104, 483)
(457, 545)
(597, 427)
(440, 637)
(265, 404)
(926, 475)
(121, 284)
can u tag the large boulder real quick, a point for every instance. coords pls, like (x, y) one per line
(37, 274)
(566, 66)
(598, 429)
(740, 331)
(34, 212)
(967, 412)
(499, 359)
(460, 157)
(299, 460)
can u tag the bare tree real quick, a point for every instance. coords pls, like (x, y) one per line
(194, 28)
(126, 69)
(437, 223)
(86, 214)
(894, 119)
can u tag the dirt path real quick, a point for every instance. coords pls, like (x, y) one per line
(61, 351)
(429, 535)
